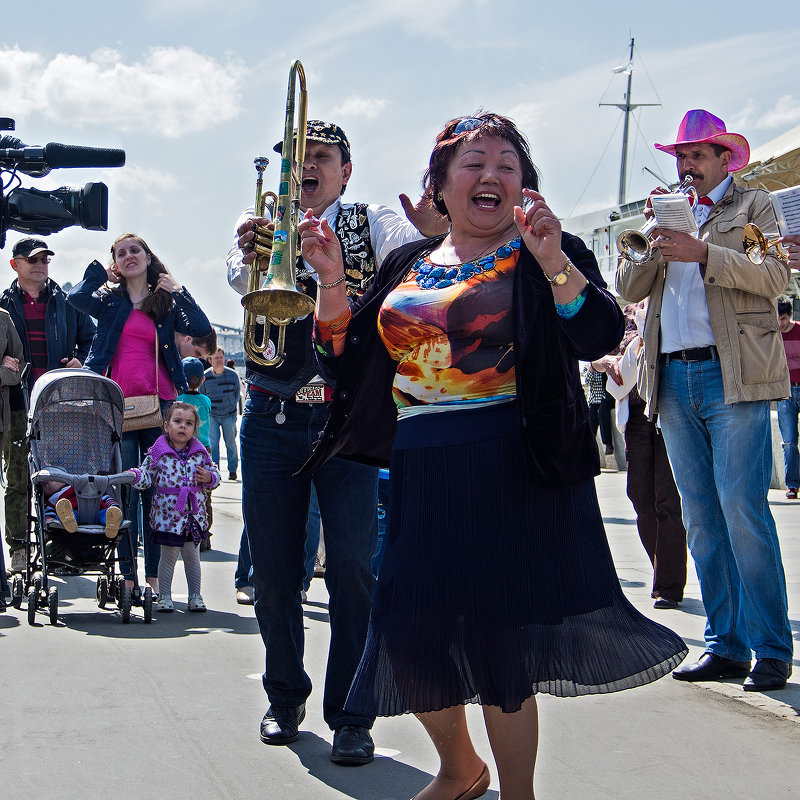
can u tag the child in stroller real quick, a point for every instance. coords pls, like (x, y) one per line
(62, 504)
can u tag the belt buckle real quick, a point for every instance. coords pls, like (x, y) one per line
(311, 393)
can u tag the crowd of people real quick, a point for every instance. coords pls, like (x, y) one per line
(446, 346)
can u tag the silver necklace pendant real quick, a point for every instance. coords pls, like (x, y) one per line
(280, 417)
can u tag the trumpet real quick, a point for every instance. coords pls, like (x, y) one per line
(280, 302)
(635, 245)
(756, 245)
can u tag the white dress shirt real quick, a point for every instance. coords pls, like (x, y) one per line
(685, 322)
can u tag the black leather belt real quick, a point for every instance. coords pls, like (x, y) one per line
(693, 354)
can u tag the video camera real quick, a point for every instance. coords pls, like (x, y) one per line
(40, 212)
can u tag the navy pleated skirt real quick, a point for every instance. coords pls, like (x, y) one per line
(491, 588)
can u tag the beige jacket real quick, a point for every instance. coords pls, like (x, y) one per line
(741, 303)
(10, 345)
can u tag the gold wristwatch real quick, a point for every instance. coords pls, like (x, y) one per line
(560, 278)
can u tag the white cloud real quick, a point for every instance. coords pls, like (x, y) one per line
(355, 106)
(140, 185)
(170, 91)
(785, 112)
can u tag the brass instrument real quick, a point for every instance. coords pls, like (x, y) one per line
(636, 245)
(756, 245)
(279, 302)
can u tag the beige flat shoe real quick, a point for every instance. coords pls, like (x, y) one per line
(478, 789)
(66, 515)
(113, 521)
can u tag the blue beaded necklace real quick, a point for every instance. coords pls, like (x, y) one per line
(433, 276)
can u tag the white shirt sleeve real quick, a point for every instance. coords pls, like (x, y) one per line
(239, 272)
(388, 230)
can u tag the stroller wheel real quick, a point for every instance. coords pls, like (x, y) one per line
(33, 599)
(125, 604)
(17, 590)
(120, 590)
(102, 591)
(52, 604)
(147, 605)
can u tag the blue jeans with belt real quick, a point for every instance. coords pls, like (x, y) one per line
(721, 455)
(788, 411)
(275, 506)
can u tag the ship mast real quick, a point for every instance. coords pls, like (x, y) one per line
(626, 107)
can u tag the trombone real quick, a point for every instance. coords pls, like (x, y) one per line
(635, 245)
(280, 302)
(756, 245)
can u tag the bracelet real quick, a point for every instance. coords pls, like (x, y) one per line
(331, 285)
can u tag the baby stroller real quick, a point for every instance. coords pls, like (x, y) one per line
(74, 431)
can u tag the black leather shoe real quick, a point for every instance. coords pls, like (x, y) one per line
(768, 673)
(352, 744)
(281, 724)
(710, 668)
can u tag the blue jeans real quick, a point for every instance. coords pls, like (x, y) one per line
(722, 459)
(275, 506)
(787, 422)
(312, 537)
(242, 576)
(228, 425)
(133, 449)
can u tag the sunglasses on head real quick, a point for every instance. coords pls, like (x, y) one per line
(37, 259)
(469, 124)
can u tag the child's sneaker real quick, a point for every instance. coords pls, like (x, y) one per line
(66, 515)
(113, 521)
(165, 603)
(196, 603)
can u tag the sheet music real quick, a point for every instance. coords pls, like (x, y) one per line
(786, 203)
(673, 212)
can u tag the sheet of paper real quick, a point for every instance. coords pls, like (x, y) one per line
(786, 203)
(673, 212)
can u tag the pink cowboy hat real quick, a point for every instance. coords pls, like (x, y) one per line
(701, 126)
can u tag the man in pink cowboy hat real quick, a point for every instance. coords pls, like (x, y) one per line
(713, 359)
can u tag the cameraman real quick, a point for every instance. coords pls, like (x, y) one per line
(53, 334)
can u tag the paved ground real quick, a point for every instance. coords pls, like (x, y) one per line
(93, 707)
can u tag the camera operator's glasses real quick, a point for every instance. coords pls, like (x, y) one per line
(37, 259)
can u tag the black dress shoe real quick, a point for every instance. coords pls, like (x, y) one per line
(768, 673)
(352, 744)
(281, 724)
(665, 602)
(711, 667)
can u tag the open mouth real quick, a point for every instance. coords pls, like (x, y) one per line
(310, 184)
(486, 200)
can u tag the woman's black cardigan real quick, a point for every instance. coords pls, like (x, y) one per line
(553, 415)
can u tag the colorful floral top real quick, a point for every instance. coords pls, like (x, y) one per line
(450, 330)
(178, 497)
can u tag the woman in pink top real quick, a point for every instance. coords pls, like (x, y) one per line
(139, 307)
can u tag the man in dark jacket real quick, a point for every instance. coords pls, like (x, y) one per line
(53, 335)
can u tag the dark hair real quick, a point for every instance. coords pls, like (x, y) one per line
(448, 143)
(208, 343)
(784, 307)
(159, 303)
(179, 405)
(718, 149)
(195, 382)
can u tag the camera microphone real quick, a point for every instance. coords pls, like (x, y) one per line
(38, 161)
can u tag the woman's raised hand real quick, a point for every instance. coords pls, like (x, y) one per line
(167, 283)
(540, 230)
(320, 247)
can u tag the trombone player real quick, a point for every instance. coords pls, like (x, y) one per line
(284, 415)
(713, 359)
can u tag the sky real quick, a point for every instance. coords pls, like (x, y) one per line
(193, 90)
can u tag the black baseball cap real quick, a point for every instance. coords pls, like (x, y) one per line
(30, 247)
(325, 132)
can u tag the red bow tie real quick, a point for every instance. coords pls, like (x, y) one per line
(705, 200)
